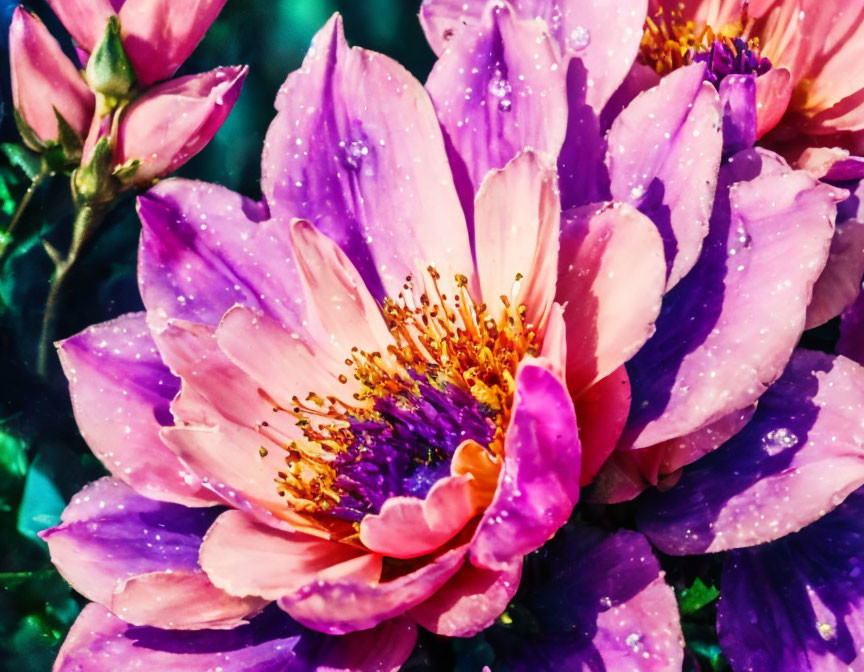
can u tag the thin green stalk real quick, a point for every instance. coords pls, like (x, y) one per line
(87, 220)
(22, 205)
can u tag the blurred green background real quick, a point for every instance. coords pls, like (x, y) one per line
(43, 460)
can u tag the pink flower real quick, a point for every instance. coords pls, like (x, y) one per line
(158, 35)
(392, 423)
(44, 82)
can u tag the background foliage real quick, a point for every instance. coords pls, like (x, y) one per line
(43, 460)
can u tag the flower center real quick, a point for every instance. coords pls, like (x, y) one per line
(670, 41)
(448, 377)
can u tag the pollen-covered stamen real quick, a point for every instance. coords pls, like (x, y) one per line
(671, 41)
(448, 377)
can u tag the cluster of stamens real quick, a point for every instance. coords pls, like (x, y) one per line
(448, 376)
(671, 41)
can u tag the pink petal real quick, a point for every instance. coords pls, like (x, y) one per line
(338, 607)
(601, 412)
(499, 88)
(605, 38)
(247, 558)
(728, 330)
(356, 149)
(470, 601)
(337, 295)
(123, 550)
(85, 20)
(408, 527)
(44, 79)
(159, 35)
(173, 121)
(663, 156)
(516, 221)
(611, 280)
(121, 393)
(773, 91)
(539, 483)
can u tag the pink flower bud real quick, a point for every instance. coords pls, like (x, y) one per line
(43, 79)
(174, 121)
(158, 35)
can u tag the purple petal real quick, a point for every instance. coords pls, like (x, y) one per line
(205, 248)
(604, 37)
(271, 642)
(539, 483)
(727, 330)
(738, 102)
(121, 393)
(798, 603)
(356, 149)
(123, 550)
(799, 457)
(500, 87)
(599, 604)
(663, 156)
(851, 343)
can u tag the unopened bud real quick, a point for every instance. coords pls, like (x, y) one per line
(109, 70)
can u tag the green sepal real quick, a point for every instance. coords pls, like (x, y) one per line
(697, 596)
(69, 140)
(127, 171)
(109, 71)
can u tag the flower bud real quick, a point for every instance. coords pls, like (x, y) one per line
(45, 84)
(109, 70)
(173, 121)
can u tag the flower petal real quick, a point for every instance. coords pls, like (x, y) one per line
(173, 121)
(101, 642)
(470, 601)
(356, 149)
(408, 527)
(111, 538)
(601, 412)
(282, 561)
(203, 250)
(338, 607)
(664, 153)
(611, 280)
(851, 342)
(539, 482)
(499, 88)
(805, 595)
(597, 603)
(738, 102)
(121, 393)
(159, 35)
(805, 444)
(605, 38)
(517, 217)
(728, 328)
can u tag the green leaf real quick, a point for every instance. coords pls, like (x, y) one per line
(13, 455)
(697, 596)
(21, 157)
(41, 503)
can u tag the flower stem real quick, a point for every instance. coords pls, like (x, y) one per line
(87, 219)
(22, 206)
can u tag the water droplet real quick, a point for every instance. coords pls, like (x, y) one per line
(354, 153)
(505, 105)
(580, 37)
(778, 440)
(499, 86)
(637, 192)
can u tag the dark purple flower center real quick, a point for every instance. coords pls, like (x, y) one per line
(407, 447)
